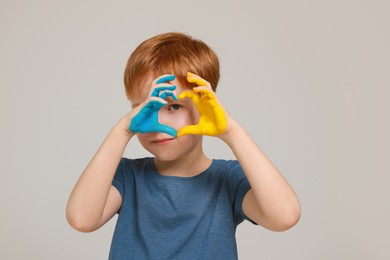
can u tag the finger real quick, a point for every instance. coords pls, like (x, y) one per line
(156, 91)
(188, 130)
(190, 94)
(166, 94)
(165, 78)
(163, 95)
(166, 129)
(156, 101)
(205, 91)
(193, 78)
(154, 104)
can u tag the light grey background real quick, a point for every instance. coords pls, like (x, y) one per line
(309, 80)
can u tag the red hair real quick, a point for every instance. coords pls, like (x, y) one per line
(170, 53)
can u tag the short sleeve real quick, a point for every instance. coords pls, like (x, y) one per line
(119, 179)
(240, 185)
(242, 190)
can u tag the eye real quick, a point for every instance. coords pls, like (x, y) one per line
(174, 107)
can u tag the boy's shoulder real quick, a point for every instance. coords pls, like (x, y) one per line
(136, 164)
(226, 164)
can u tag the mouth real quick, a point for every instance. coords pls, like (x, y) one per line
(163, 141)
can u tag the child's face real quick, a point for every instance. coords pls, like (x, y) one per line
(176, 114)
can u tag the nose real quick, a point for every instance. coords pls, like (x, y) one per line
(166, 118)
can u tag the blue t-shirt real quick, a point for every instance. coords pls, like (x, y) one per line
(167, 217)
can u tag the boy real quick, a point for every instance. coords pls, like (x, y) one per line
(179, 204)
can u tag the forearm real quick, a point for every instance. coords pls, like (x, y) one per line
(88, 198)
(276, 200)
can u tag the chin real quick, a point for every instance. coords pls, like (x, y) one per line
(176, 150)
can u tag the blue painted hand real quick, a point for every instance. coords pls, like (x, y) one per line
(146, 120)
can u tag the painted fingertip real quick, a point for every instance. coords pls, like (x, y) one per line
(164, 88)
(184, 95)
(168, 130)
(163, 95)
(166, 78)
(170, 94)
(191, 77)
(156, 91)
(197, 80)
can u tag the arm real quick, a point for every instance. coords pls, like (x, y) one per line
(271, 202)
(94, 200)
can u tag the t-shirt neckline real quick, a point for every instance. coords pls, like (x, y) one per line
(160, 176)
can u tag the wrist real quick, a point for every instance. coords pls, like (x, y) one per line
(123, 127)
(232, 132)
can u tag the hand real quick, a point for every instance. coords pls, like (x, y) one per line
(212, 119)
(146, 120)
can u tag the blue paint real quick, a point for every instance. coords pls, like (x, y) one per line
(146, 121)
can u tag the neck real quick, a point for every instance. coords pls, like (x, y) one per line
(186, 166)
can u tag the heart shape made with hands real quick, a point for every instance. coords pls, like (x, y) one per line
(212, 120)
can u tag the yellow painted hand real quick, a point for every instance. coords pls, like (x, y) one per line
(212, 119)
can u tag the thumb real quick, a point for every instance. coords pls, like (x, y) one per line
(188, 130)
